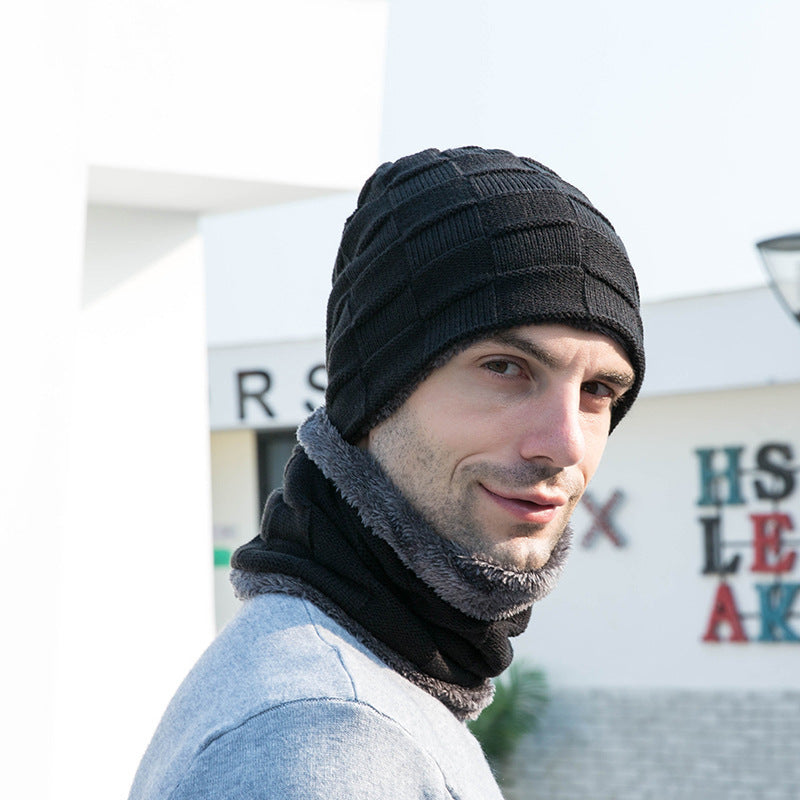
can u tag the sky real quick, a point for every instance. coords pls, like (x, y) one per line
(679, 121)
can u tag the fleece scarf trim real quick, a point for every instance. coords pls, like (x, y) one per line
(476, 586)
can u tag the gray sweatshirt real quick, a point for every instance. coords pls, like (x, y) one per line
(286, 704)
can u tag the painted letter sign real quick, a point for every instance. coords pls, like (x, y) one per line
(749, 538)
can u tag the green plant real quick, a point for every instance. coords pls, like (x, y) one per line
(520, 698)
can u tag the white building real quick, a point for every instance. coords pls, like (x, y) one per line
(123, 123)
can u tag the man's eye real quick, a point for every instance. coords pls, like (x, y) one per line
(599, 389)
(501, 367)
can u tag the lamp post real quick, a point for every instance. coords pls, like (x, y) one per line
(781, 257)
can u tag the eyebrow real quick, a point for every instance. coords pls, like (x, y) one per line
(622, 380)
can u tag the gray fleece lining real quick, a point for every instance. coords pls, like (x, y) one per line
(475, 586)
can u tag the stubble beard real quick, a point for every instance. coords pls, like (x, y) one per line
(454, 514)
(519, 545)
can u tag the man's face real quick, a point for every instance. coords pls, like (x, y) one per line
(496, 447)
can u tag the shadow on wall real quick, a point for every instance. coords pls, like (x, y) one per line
(121, 243)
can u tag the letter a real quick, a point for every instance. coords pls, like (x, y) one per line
(724, 610)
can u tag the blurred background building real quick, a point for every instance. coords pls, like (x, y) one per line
(124, 124)
(175, 182)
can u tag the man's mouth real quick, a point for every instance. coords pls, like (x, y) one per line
(530, 506)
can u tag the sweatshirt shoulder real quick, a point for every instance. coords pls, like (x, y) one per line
(284, 684)
(316, 748)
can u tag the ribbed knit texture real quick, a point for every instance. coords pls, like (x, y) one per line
(444, 246)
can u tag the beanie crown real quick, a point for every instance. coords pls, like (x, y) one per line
(444, 246)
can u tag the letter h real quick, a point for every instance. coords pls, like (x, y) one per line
(711, 478)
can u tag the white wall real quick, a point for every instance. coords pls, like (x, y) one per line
(135, 594)
(42, 201)
(211, 107)
(724, 340)
(170, 109)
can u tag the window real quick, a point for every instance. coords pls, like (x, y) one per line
(273, 451)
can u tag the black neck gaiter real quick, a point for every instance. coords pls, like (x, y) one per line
(449, 626)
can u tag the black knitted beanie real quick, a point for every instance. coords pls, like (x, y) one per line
(444, 246)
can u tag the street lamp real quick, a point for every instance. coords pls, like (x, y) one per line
(781, 257)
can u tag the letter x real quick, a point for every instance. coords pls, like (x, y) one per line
(601, 522)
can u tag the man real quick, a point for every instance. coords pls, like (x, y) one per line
(483, 339)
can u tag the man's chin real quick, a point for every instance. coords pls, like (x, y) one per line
(522, 554)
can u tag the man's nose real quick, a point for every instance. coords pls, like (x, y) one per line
(553, 430)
